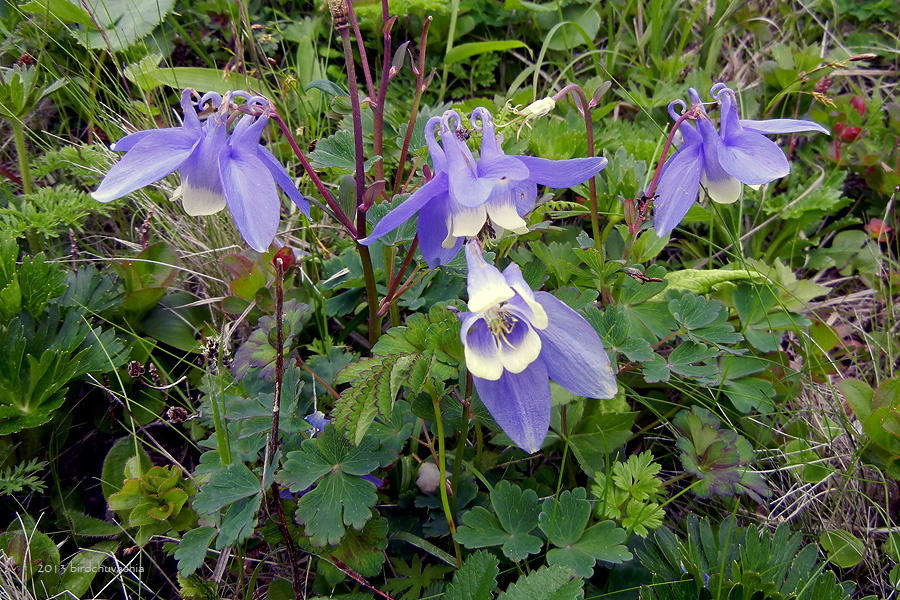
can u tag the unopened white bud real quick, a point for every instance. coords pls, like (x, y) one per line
(429, 477)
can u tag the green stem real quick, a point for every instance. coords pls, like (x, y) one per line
(371, 294)
(451, 33)
(221, 433)
(389, 255)
(461, 445)
(442, 467)
(34, 242)
(677, 478)
(22, 153)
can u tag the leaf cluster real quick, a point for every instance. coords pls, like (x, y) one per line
(563, 523)
(47, 334)
(730, 561)
(720, 458)
(631, 493)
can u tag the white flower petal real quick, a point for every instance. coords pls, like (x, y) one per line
(486, 285)
(516, 356)
(723, 191)
(199, 201)
(467, 222)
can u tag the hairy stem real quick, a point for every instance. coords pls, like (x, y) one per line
(279, 355)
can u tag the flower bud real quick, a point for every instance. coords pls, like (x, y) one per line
(339, 12)
(429, 477)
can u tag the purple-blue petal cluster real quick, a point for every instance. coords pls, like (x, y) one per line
(516, 340)
(720, 160)
(217, 168)
(466, 193)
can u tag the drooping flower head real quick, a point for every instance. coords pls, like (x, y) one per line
(465, 193)
(719, 160)
(218, 168)
(516, 340)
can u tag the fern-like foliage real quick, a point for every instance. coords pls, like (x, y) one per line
(416, 358)
(736, 562)
(375, 384)
(49, 211)
(24, 477)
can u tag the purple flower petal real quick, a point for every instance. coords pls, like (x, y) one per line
(191, 122)
(438, 160)
(501, 167)
(155, 155)
(753, 159)
(376, 481)
(282, 179)
(677, 188)
(129, 141)
(433, 232)
(480, 346)
(490, 143)
(770, 126)
(525, 304)
(317, 420)
(525, 194)
(573, 353)
(520, 404)
(562, 173)
(410, 206)
(249, 188)
(200, 182)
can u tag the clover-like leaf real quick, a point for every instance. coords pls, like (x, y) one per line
(363, 551)
(517, 515)
(564, 523)
(226, 485)
(643, 516)
(415, 577)
(693, 312)
(341, 498)
(259, 349)
(614, 329)
(239, 521)
(337, 151)
(637, 476)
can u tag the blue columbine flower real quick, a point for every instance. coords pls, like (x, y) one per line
(720, 160)
(517, 340)
(465, 194)
(431, 201)
(217, 169)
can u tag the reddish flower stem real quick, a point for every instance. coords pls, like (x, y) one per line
(329, 199)
(420, 87)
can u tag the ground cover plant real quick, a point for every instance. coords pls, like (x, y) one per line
(520, 300)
